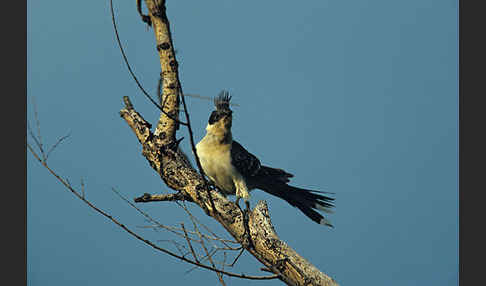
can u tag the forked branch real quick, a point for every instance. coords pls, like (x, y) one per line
(81, 196)
(162, 153)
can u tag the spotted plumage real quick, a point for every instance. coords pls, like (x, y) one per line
(246, 163)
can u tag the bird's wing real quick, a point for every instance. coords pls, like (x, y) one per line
(246, 163)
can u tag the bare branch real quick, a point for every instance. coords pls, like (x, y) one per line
(203, 258)
(179, 196)
(177, 246)
(39, 137)
(178, 175)
(189, 243)
(220, 277)
(145, 18)
(158, 149)
(149, 218)
(193, 146)
(224, 261)
(36, 141)
(82, 188)
(57, 144)
(236, 258)
(215, 236)
(209, 237)
(175, 230)
(125, 59)
(161, 150)
(134, 234)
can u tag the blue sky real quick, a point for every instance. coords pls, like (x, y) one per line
(359, 98)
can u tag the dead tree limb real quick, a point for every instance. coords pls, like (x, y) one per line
(145, 198)
(178, 174)
(182, 257)
(161, 150)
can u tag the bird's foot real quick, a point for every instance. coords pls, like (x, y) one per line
(246, 221)
(247, 204)
(246, 218)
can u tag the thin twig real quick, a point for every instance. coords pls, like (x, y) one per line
(224, 261)
(192, 217)
(37, 139)
(82, 187)
(137, 236)
(145, 18)
(193, 147)
(203, 258)
(149, 218)
(229, 248)
(36, 116)
(266, 269)
(177, 245)
(195, 240)
(39, 145)
(132, 73)
(174, 230)
(57, 143)
(206, 251)
(236, 259)
(189, 243)
(171, 229)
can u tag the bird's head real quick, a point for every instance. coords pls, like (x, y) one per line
(221, 119)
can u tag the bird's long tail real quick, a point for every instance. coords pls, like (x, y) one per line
(305, 200)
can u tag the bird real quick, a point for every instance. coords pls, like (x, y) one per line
(235, 171)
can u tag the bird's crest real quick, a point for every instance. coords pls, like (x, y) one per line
(222, 101)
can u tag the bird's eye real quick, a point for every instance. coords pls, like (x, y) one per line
(215, 116)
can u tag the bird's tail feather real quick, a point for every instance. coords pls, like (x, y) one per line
(305, 200)
(274, 173)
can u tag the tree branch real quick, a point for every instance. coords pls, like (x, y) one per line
(162, 152)
(179, 175)
(134, 234)
(145, 198)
